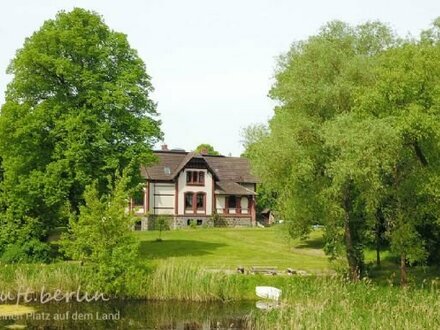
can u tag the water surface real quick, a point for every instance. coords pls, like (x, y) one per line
(134, 315)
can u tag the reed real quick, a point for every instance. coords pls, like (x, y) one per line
(34, 277)
(180, 280)
(331, 303)
(311, 302)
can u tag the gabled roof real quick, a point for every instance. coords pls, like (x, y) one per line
(171, 163)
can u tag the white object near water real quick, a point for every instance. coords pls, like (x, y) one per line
(268, 292)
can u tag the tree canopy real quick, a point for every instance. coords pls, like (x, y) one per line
(207, 149)
(353, 143)
(77, 111)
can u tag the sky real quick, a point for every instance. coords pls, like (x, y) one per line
(211, 62)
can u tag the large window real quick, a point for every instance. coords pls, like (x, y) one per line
(195, 202)
(196, 178)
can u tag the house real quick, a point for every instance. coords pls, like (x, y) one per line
(190, 188)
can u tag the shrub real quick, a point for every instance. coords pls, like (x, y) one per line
(192, 224)
(218, 220)
(30, 251)
(102, 237)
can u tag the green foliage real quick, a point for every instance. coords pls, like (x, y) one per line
(102, 237)
(161, 223)
(252, 136)
(355, 139)
(218, 220)
(207, 149)
(31, 251)
(192, 224)
(1, 170)
(77, 111)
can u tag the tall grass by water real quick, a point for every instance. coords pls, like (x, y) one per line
(311, 302)
(332, 303)
(185, 281)
(170, 280)
(34, 277)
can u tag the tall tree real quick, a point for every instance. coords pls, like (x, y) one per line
(317, 81)
(76, 111)
(357, 138)
(406, 97)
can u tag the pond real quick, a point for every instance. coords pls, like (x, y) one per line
(133, 315)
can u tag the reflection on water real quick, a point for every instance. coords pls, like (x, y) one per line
(267, 305)
(135, 315)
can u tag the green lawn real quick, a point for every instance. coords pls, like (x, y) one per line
(221, 248)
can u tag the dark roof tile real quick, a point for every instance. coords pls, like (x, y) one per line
(234, 169)
(232, 188)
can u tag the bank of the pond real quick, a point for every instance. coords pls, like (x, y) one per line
(171, 280)
(307, 302)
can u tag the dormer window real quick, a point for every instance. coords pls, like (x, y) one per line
(195, 178)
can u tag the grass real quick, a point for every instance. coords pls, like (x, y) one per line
(169, 280)
(180, 280)
(189, 265)
(65, 276)
(312, 302)
(228, 248)
(331, 303)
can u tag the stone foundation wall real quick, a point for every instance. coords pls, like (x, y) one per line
(179, 222)
(184, 222)
(239, 222)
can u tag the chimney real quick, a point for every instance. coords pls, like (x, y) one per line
(204, 151)
(164, 147)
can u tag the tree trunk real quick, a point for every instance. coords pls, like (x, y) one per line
(380, 224)
(420, 155)
(403, 271)
(353, 262)
(378, 252)
(353, 266)
(378, 241)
